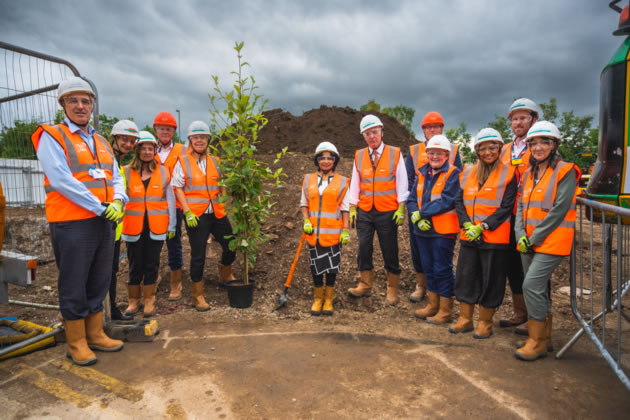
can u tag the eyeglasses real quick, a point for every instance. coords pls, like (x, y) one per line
(75, 101)
(544, 142)
(372, 133)
(320, 158)
(432, 127)
(521, 119)
(436, 153)
(147, 148)
(491, 148)
(164, 128)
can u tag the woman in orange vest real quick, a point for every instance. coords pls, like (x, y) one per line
(545, 227)
(432, 205)
(325, 205)
(484, 207)
(196, 180)
(149, 215)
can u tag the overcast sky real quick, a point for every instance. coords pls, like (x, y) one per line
(466, 59)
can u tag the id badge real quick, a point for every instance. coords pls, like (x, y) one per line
(96, 173)
(517, 161)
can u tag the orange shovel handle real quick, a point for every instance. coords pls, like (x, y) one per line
(295, 260)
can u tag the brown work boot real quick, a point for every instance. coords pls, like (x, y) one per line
(329, 296)
(431, 308)
(364, 288)
(548, 322)
(149, 300)
(536, 345)
(225, 274)
(392, 288)
(519, 315)
(133, 297)
(96, 337)
(198, 301)
(176, 286)
(445, 314)
(522, 330)
(318, 300)
(78, 349)
(464, 322)
(484, 326)
(421, 288)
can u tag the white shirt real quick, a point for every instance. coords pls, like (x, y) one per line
(178, 179)
(164, 151)
(518, 146)
(401, 179)
(323, 183)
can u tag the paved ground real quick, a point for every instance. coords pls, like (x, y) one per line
(309, 369)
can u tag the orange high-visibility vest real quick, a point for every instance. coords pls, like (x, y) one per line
(521, 162)
(537, 200)
(378, 189)
(80, 161)
(419, 155)
(202, 190)
(152, 200)
(324, 210)
(481, 204)
(445, 223)
(171, 159)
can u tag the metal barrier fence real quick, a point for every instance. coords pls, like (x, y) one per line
(600, 280)
(28, 97)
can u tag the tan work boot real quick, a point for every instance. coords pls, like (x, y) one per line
(519, 315)
(364, 288)
(149, 300)
(431, 308)
(318, 300)
(96, 337)
(176, 285)
(392, 288)
(198, 301)
(329, 296)
(133, 297)
(536, 345)
(445, 314)
(225, 274)
(464, 323)
(548, 323)
(421, 288)
(78, 349)
(484, 326)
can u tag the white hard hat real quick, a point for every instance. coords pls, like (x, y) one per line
(146, 137)
(369, 121)
(439, 141)
(488, 134)
(525, 104)
(326, 146)
(125, 128)
(544, 129)
(198, 127)
(71, 85)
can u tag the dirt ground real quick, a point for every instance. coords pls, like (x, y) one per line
(368, 360)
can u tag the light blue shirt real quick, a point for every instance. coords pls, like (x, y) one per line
(54, 162)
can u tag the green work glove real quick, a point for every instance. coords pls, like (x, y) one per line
(474, 232)
(415, 217)
(467, 225)
(524, 245)
(424, 225)
(308, 227)
(114, 211)
(399, 215)
(170, 234)
(353, 216)
(191, 220)
(345, 237)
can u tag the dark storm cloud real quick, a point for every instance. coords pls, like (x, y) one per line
(468, 60)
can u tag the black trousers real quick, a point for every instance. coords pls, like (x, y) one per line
(387, 231)
(144, 259)
(480, 276)
(83, 252)
(515, 273)
(198, 237)
(114, 281)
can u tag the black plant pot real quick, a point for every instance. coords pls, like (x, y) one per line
(240, 295)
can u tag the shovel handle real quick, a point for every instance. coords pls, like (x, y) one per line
(295, 260)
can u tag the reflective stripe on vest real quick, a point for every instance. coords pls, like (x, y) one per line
(445, 223)
(201, 189)
(324, 209)
(80, 161)
(378, 190)
(151, 200)
(482, 204)
(537, 200)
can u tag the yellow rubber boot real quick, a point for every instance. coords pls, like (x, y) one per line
(431, 308)
(536, 345)
(96, 337)
(78, 349)
(548, 323)
(329, 296)
(484, 326)
(464, 323)
(364, 288)
(176, 285)
(318, 300)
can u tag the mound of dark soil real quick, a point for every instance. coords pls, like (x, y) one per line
(339, 126)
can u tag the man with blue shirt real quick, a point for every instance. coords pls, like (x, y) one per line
(85, 196)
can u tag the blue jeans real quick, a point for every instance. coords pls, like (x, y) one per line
(174, 246)
(437, 261)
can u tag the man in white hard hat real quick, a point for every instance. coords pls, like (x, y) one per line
(378, 192)
(84, 196)
(523, 113)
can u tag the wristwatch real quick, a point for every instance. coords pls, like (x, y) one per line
(485, 226)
